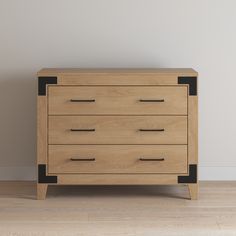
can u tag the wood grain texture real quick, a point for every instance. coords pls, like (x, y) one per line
(136, 71)
(193, 129)
(193, 191)
(117, 79)
(41, 191)
(118, 210)
(117, 179)
(41, 129)
(116, 118)
(118, 100)
(117, 159)
(118, 130)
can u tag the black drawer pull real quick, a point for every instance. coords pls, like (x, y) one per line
(82, 100)
(151, 130)
(151, 159)
(82, 159)
(152, 100)
(82, 130)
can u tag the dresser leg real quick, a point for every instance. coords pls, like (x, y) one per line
(41, 191)
(193, 191)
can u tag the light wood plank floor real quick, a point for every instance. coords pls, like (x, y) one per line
(120, 210)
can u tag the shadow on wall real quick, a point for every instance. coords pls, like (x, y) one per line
(18, 120)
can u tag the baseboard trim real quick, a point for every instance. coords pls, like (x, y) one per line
(29, 173)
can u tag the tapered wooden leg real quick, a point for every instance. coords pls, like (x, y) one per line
(41, 191)
(193, 191)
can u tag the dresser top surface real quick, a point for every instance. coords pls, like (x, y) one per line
(77, 71)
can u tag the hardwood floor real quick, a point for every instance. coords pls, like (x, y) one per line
(120, 210)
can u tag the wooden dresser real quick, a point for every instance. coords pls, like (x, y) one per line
(117, 127)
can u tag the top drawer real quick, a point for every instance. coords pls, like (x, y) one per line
(115, 100)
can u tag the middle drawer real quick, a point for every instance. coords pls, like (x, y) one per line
(117, 130)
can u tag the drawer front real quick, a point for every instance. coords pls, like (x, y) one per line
(117, 130)
(117, 159)
(75, 100)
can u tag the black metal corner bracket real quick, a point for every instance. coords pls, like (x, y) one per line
(42, 175)
(43, 81)
(191, 81)
(192, 177)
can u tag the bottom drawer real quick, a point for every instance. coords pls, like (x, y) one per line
(84, 159)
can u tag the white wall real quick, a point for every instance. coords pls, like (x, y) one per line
(118, 33)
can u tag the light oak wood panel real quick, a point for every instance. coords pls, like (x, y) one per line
(136, 71)
(118, 100)
(193, 129)
(117, 130)
(117, 159)
(117, 76)
(42, 129)
(117, 79)
(193, 191)
(116, 179)
(41, 191)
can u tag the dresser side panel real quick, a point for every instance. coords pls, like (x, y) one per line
(42, 129)
(193, 129)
